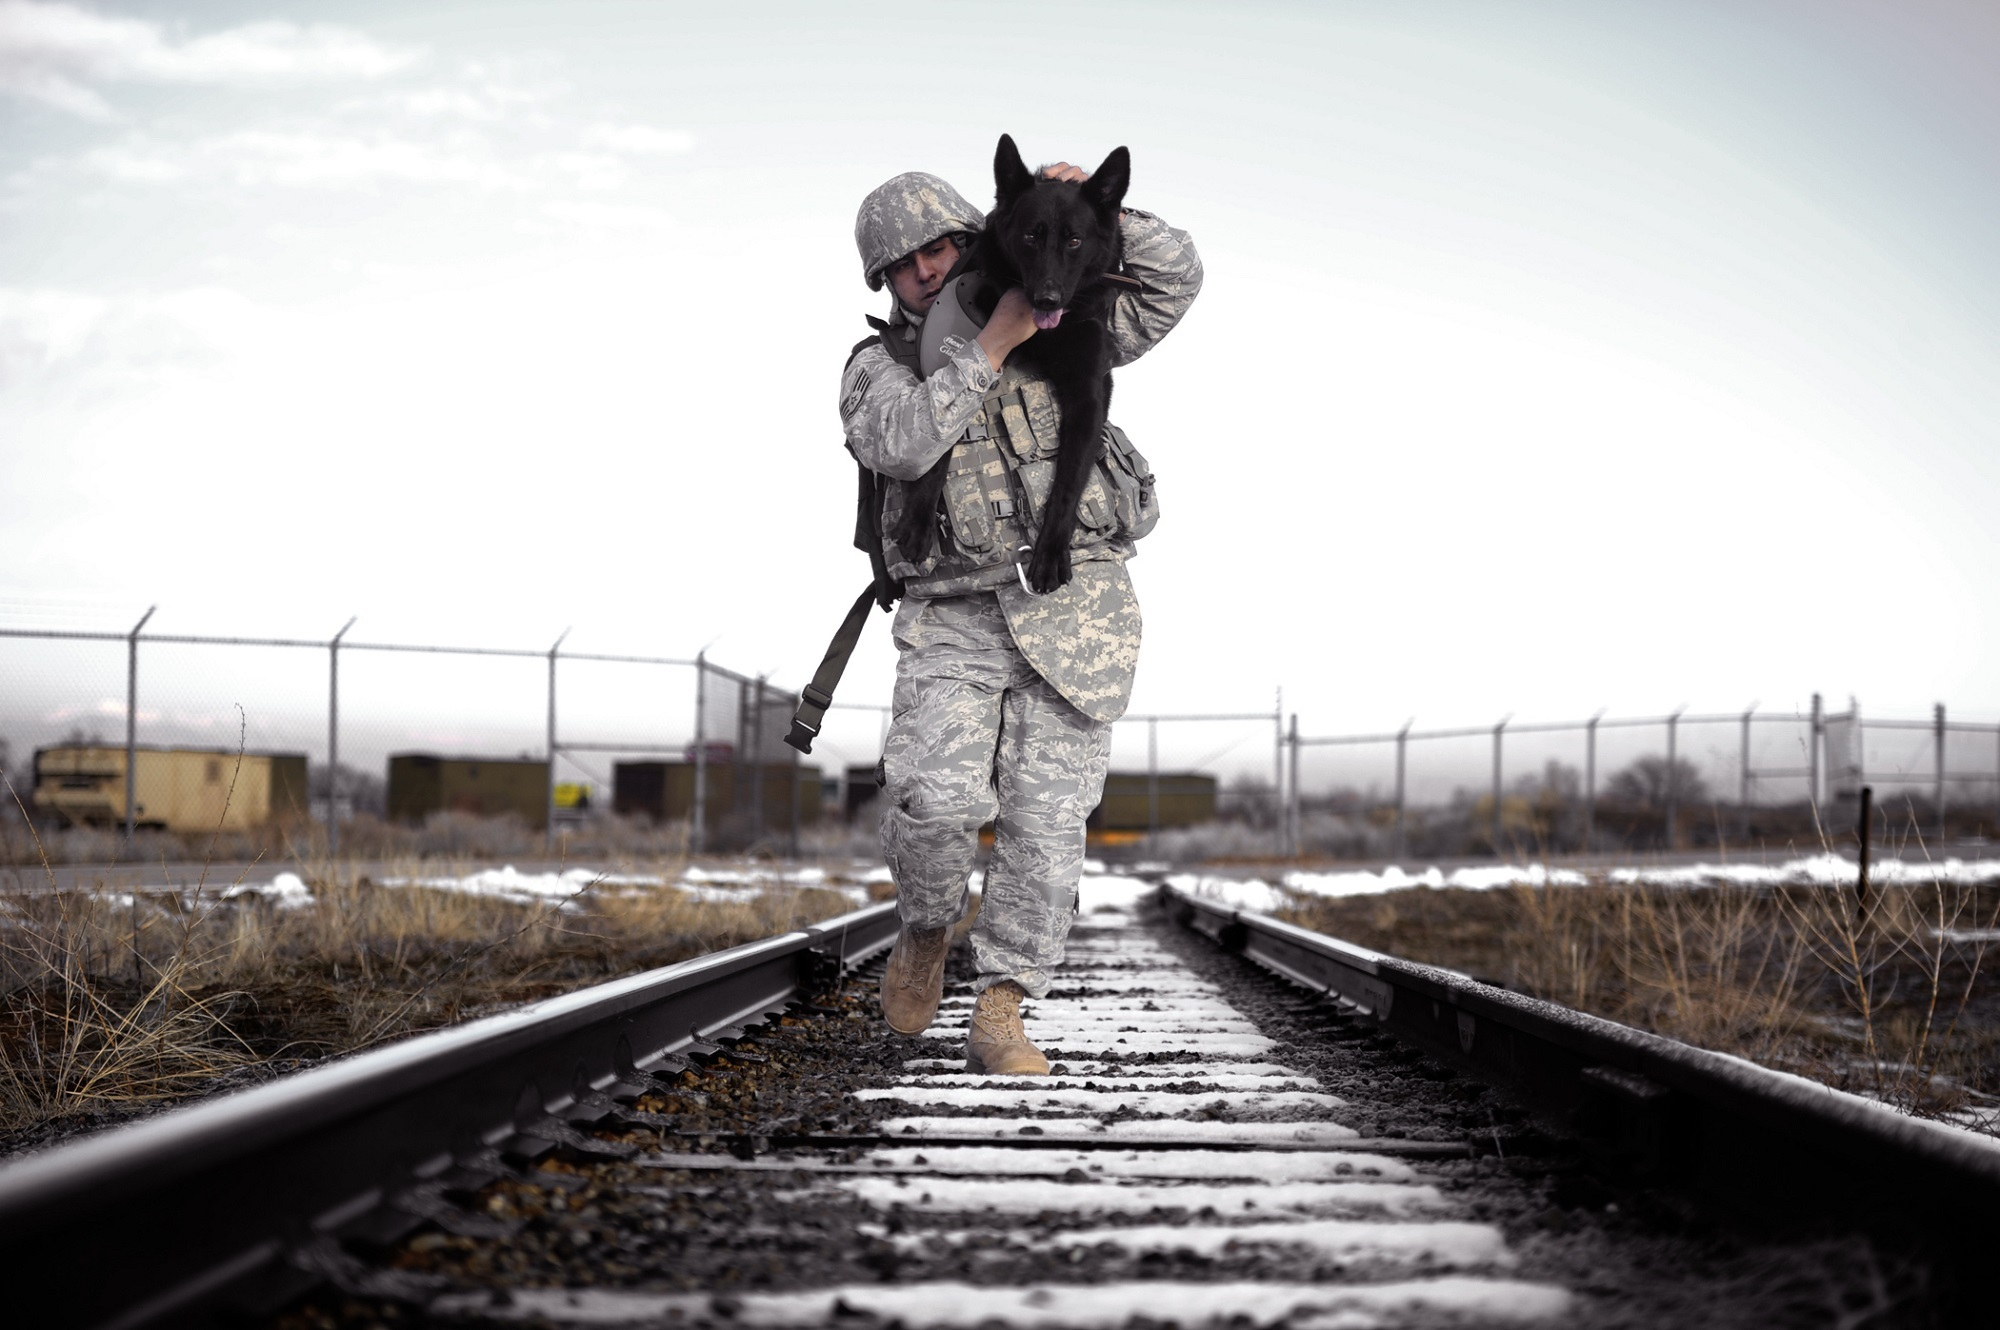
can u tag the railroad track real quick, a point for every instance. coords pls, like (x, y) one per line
(1332, 1138)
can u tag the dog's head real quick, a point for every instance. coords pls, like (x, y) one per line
(1059, 234)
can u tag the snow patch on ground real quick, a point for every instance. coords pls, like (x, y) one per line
(1029, 1196)
(1046, 1306)
(1144, 1129)
(1817, 870)
(1098, 1101)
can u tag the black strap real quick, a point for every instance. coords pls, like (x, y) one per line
(817, 696)
(883, 589)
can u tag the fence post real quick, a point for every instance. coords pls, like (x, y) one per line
(1940, 727)
(1152, 779)
(1813, 747)
(792, 843)
(1498, 730)
(549, 830)
(1278, 774)
(333, 740)
(1292, 795)
(695, 828)
(1590, 782)
(132, 726)
(1673, 790)
(757, 764)
(1402, 745)
(1743, 778)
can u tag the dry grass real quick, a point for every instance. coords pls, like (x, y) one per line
(1891, 1005)
(116, 1001)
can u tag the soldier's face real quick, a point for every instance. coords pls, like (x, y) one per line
(918, 277)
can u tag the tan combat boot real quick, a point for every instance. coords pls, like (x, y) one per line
(996, 1044)
(913, 981)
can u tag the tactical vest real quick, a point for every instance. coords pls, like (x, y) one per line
(997, 484)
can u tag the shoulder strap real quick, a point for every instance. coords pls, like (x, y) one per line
(882, 589)
(817, 696)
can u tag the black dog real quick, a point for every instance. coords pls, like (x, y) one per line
(1056, 240)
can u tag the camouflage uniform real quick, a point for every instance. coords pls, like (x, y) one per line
(1004, 700)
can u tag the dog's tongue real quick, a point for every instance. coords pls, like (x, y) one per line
(1048, 320)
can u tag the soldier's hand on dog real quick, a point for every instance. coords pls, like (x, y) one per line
(1013, 323)
(1073, 174)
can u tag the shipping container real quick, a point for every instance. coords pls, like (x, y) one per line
(175, 789)
(664, 791)
(1186, 799)
(424, 783)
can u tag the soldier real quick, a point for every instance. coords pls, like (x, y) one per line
(1003, 699)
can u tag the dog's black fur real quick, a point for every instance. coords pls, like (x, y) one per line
(1055, 240)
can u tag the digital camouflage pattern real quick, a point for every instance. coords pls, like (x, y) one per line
(978, 735)
(1003, 701)
(905, 214)
(1083, 637)
(899, 425)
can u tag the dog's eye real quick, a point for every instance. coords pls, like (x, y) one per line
(1028, 239)
(1076, 242)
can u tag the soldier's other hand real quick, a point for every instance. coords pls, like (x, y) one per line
(1013, 323)
(1064, 171)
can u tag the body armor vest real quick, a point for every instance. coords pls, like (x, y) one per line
(997, 481)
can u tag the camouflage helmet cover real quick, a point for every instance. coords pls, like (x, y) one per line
(903, 215)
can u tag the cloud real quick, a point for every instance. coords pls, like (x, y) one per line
(307, 158)
(637, 139)
(54, 53)
(46, 335)
(586, 216)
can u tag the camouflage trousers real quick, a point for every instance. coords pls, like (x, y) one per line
(979, 736)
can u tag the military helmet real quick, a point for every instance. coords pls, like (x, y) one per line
(902, 215)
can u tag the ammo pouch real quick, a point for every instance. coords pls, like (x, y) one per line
(997, 480)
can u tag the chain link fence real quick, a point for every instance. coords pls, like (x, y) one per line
(1672, 782)
(118, 730)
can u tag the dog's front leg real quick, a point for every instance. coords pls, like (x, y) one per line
(1081, 441)
(918, 525)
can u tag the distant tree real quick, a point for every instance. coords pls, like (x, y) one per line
(1647, 782)
(1250, 799)
(364, 791)
(1557, 782)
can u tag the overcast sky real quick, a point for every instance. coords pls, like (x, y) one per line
(1553, 356)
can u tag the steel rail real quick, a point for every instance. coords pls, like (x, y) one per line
(1739, 1133)
(228, 1206)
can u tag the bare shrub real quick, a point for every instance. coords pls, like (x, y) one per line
(1891, 1004)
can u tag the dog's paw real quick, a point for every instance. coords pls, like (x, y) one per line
(1048, 568)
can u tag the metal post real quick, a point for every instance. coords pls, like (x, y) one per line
(333, 739)
(1152, 779)
(1278, 772)
(1743, 778)
(1590, 781)
(549, 831)
(132, 725)
(757, 764)
(695, 826)
(1939, 723)
(1402, 746)
(1292, 795)
(1498, 730)
(792, 843)
(1673, 786)
(1813, 746)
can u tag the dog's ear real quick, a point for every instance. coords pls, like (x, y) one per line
(1011, 176)
(1105, 190)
